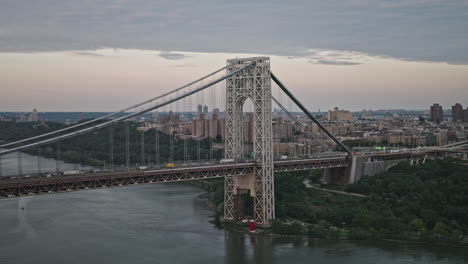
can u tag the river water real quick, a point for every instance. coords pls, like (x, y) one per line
(167, 223)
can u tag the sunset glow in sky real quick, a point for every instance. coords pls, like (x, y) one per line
(103, 56)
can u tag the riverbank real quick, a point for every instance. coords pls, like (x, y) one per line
(334, 234)
(386, 212)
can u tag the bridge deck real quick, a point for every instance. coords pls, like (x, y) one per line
(26, 186)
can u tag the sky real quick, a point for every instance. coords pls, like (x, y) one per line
(103, 55)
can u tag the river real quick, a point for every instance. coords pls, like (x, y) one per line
(167, 223)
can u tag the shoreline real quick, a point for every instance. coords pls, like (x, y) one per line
(222, 224)
(233, 229)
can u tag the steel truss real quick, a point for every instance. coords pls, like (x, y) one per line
(42, 185)
(300, 165)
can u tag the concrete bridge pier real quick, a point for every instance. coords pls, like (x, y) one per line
(345, 175)
(240, 186)
(362, 165)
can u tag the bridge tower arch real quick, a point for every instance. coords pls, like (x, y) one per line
(253, 83)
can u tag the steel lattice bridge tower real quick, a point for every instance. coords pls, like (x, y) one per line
(253, 83)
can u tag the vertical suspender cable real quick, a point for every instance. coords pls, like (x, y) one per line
(20, 165)
(185, 131)
(142, 147)
(176, 121)
(127, 150)
(119, 119)
(190, 113)
(57, 167)
(156, 146)
(111, 147)
(39, 160)
(170, 144)
(198, 149)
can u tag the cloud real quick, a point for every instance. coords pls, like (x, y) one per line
(328, 62)
(87, 53)
(336, 57)
(172, 56)
(427, 30)
(184, 65)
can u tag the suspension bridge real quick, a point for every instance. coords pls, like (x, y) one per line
(247, 165)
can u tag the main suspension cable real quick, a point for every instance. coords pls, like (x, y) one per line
(112, 114)
(108, 123)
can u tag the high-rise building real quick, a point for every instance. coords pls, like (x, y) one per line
(281, 128)
(200, 109)
(437, 114)
(457, 113)
(441, 138)
(205, 110)
(339, 115)
(33, 117)
(202, 127)
(465, 115)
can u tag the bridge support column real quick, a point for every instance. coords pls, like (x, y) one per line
(234, 188)
(253, 83)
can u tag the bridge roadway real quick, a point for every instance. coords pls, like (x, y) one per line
(27, 186)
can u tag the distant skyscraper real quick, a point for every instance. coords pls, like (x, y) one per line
(465, 115)
(33, 116)
(200, 109)
(437, 114)
(205, 110)
(457, 113)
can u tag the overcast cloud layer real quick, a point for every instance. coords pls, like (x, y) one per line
(429, 30)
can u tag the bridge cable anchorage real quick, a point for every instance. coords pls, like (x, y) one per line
(301, 123)
(113, 114)
(291, 96)
(119, 119)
